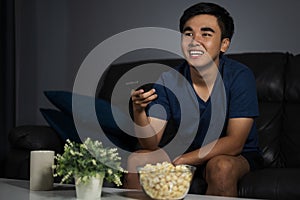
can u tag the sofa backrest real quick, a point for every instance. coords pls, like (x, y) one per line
(278, 86)
(290, 146)
(278, 95)
(114, 72)
(269, 70)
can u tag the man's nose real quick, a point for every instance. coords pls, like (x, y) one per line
(196, 39)
(195, 42)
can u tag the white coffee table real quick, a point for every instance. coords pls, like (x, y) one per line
(19, 190)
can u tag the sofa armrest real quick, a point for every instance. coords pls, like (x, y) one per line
(271, 183)
(17, 164)
(35, 138)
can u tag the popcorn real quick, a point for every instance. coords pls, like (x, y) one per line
(166, 181)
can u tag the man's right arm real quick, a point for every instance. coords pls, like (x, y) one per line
(148, 130)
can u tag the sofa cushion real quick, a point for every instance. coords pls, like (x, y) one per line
(269, 125)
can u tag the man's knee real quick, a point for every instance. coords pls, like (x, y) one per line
(220, 168)
(138, 158)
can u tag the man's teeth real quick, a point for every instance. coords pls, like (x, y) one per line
(196, 53)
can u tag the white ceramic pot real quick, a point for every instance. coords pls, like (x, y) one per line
(90, 190)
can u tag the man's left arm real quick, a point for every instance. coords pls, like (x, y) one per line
(231, 144)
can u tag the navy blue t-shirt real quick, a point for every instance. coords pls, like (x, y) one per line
(201, 122)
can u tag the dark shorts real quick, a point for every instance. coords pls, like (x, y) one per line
(254, 159)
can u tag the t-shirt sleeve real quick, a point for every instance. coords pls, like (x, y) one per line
(243, 95)
(160, 107)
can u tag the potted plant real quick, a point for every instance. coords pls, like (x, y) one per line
(88, 163)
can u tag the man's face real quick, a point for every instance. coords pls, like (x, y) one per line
(201, 40)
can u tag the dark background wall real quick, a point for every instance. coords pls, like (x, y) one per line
(54, 36)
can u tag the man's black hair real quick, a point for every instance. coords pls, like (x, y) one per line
(224, 19)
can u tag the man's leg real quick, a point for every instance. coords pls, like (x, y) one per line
(223, 173)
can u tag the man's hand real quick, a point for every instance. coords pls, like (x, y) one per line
(190, 158)
(141, 99)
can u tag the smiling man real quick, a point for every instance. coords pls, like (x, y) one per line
(206, 30)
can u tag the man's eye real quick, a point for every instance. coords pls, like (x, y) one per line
(188, 34)
(206, 35)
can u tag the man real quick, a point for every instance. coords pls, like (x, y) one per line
(206, 30)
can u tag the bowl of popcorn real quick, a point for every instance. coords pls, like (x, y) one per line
(166, 181)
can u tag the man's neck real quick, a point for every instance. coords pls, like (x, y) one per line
(204, 75)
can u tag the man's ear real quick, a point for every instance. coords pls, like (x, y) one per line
(225, 44)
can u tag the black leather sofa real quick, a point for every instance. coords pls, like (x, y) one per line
(278, 86)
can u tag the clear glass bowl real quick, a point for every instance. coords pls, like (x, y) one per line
(166, 181)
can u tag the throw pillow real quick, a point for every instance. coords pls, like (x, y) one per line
(62, 121)
(63, 101)
(63, 124)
